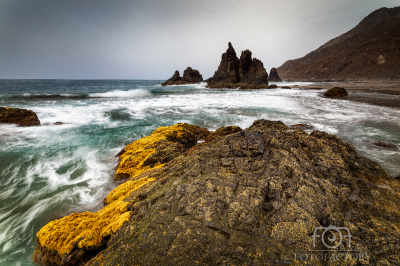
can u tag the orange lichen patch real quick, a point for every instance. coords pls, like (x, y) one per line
(122, 191)
(137, 152)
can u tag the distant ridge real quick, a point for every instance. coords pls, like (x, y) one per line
(371, 50)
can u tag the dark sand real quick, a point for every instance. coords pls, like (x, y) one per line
(382, 93)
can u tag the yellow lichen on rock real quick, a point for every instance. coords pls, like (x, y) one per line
(120, 192)
(89, 229)
(138, 151)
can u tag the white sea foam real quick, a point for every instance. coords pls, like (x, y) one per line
(123, 94)
(77, 147)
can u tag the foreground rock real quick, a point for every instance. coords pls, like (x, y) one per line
(243, 197)
(22, 117)
(336, 92)
(190, 76)
(302, 126)
(273, 75)
(245, 73)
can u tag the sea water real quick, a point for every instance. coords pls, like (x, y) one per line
(51, 171)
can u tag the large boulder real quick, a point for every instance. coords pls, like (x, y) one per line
(22, 117)
(336, 92)
(190, 76)
(246, 197)
(245, 73)
(273, 75)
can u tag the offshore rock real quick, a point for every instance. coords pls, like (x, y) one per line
(273, 75)
(190, 76)
(255, 197)
(252, 70)
(22, 117)
(336, 92)
(228, 69)
(385, 145)
(246, 73)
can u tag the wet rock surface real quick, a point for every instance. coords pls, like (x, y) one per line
(336, 92)
(385, 145)
(302, 126)
(21, 117)
(255, 197)
(245, 73)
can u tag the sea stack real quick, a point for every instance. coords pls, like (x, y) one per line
(273, 75)
(232, 72)
(190, 76)
(22, 117)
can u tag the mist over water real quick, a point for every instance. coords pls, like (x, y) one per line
(51, 171)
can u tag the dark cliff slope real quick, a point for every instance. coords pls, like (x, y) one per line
(371, 50)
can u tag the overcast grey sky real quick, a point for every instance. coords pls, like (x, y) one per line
(150, 39)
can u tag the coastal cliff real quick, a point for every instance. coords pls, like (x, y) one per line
(231, 197)
(371, 50)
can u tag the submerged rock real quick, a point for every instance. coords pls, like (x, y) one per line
(273, 75)
(243, 197)
(246, 73)
(190, 76)
(55, 124)
(336, 92)
(385, 145)
(22, 117)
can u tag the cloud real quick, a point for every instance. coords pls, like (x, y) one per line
(99, 39)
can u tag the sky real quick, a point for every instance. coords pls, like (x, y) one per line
(150, 39)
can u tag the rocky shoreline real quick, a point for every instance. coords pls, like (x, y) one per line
(232, 197)
(21, 117)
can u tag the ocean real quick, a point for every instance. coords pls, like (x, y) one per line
(51, 171)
